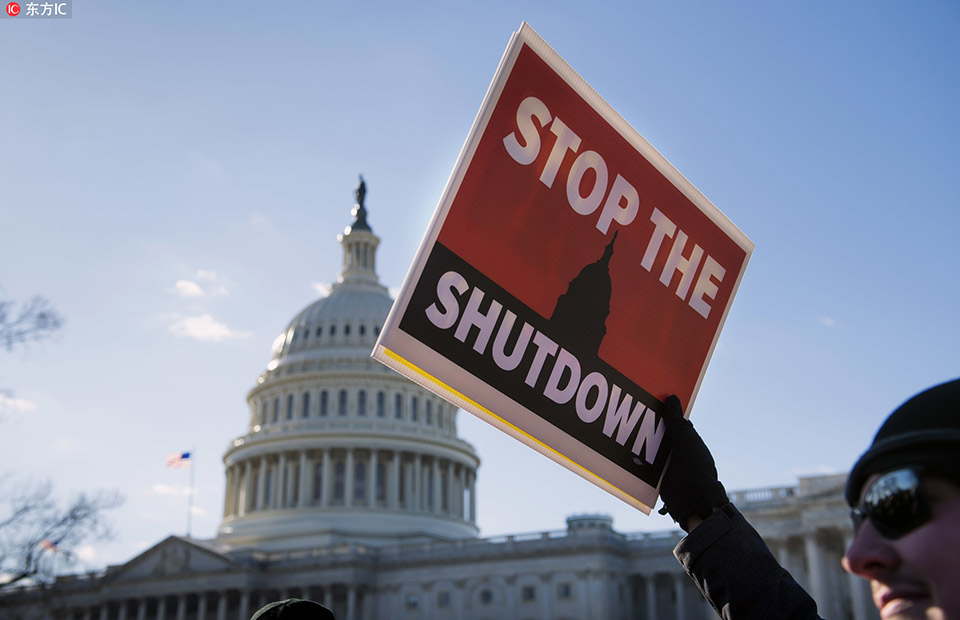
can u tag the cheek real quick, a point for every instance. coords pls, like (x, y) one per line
(932, 554)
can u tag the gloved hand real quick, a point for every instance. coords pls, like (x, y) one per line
(690, 485)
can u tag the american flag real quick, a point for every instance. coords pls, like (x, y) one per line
(49, 545)
(180, 460)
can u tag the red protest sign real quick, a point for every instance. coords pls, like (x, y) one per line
(571, 278)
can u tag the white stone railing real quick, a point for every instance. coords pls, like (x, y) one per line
(756, 496)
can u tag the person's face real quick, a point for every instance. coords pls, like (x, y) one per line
(918, 574)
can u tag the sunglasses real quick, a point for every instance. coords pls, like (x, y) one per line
(894, 503)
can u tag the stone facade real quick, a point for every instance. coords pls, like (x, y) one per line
(352, 488)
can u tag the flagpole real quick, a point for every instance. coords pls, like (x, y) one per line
(193, 468)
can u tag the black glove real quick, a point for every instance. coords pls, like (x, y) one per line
(690, 485)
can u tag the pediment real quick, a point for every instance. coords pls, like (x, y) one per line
(174, 556)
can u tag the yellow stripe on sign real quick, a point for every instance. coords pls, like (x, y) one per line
(473, 403)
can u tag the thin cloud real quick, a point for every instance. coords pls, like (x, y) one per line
(323, 288)
(827, 321)
(207, 167)
(167, 490)
(188, 288)
(205, 329)
(211, 285)
(86, 553)
(8, 404)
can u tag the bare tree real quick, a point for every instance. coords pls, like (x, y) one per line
(39, 537)
(33, 320)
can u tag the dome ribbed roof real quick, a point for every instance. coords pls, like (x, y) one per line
(351, 316)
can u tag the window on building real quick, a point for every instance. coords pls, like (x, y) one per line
(363, 329)
(319, 332)
(346, 329)
(414, 405)
(564, 591)
(359, 481)
(528, 593)
(376, 330)
(362, 402)
(324, 402)
(412, 603)
(339, 481)
(333, 330)
(398, 406)
(443, 599)
(276, 409)
(381, 404)
(306, 334)
(317, 482)
(290, 407)
(305, 412)
(342, 402)
(486, 597)
(428, 413)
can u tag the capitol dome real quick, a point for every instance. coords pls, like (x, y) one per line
(338, 447)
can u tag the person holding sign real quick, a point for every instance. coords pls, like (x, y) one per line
(904, 492)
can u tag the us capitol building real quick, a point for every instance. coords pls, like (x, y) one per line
(351, 487)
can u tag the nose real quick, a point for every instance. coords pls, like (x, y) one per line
(870, 554)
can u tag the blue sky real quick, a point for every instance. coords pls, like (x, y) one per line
(173, 176)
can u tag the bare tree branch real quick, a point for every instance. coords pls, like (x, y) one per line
(39, 537)
(34, 320)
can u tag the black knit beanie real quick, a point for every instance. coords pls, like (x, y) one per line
(923, 431)
(293, 609)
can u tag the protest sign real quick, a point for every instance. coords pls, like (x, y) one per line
(570, 280)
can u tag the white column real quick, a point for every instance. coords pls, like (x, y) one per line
(162, 608)
(679, 581)
(228, 492)
(435, 472)
(860, 598)
(244, 613)
(547, 592)
(461, 483)
(279, 482)
(306, 473)
(816, 576)
(783, 553)
(237, 508)
(222, 605)
(372, 478)
(393, 482)
(327, 480)
(348, 491)
(451, 490)
(351, 602)
(473, 497)
(261, 482)
(201, 606)
(651, 597)
(291, 487)
(181, 607)
(417, 483)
